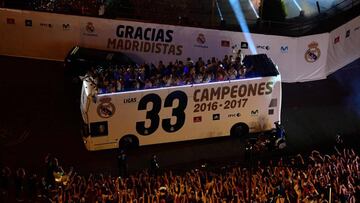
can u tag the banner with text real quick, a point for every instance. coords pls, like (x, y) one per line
(344, 43)
(51, 36)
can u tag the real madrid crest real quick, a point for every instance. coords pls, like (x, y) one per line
(106, 109)
(201, 38)
(312, 54)
(90, 27)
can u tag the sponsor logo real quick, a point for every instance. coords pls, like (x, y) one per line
(49, 25)
(254, 112)
(200, 39)
(284, 49)
(244, 45)
(225, 43)
(347, 34)
(234, 115)
(10, 21)
(130, 100)
(197, 119)
(106, 109)
(90, 29)
(271, 111)
(66, 26)
(265, 47)
(313, 52)
(273, 103)
(28, 23)
(336, 39)
(216, 117)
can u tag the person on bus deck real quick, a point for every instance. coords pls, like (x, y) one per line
(168, 80)
(119, 85)
(207, 78)
(148, 84)
(242, 72)
(232, 72)
(225, 61)
(199, 63)
(198, 79)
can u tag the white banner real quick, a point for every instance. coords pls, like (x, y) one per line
(311, 57)
(11, 33)
(344, 43)
(51, 36)
(282, 50)
(37, 34)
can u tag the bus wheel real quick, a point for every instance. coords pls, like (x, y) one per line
(128, 142)
(239, 130)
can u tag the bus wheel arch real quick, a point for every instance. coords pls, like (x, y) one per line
(239, 130)
(128, 142)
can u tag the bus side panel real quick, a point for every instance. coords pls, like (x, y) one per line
(201, 111)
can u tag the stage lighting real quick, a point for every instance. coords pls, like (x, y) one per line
(236, 7)
(253, 8)
(297, 5)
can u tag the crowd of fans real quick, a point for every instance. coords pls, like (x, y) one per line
(88, 7)
(84, 7)
(122, 78)
(184, 12)
(317, 178)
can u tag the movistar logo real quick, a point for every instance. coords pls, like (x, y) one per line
(284, 49)
(254, 112)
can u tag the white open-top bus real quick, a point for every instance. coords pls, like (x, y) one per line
(179, 113)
